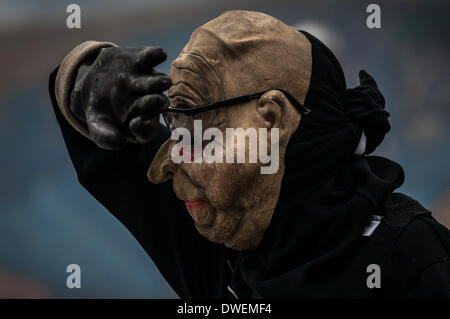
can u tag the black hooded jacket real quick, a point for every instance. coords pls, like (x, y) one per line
(338, 231)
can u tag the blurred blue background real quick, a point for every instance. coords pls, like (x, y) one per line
(47, 221)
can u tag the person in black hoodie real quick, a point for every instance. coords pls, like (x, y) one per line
(326, 224)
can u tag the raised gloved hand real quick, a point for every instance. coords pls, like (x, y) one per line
(119, 95)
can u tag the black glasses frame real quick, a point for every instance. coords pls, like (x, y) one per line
(236, 100)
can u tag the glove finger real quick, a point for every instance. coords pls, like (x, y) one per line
(144, 128)
(149, 57)
(149, 84)
(150, 105)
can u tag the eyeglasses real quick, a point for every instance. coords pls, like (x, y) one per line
(176, 117)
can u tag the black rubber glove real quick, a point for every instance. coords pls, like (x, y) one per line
(118, 95)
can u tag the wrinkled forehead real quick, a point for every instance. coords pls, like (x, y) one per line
(240, 53)
(194, 82)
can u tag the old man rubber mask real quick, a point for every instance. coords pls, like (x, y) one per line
(237, 54)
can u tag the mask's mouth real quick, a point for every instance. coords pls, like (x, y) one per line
(201, 212)
(212, 224)
(195, 204)
(217, 224)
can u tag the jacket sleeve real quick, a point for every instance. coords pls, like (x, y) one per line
(433, 282)
(66, 75)
(432, 243)
(193, 266)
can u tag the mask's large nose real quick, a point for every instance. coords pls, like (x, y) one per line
(162, 167)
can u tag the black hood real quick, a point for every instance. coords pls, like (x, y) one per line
(328, 193)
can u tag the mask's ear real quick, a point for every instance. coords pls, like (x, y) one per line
(278, 112)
